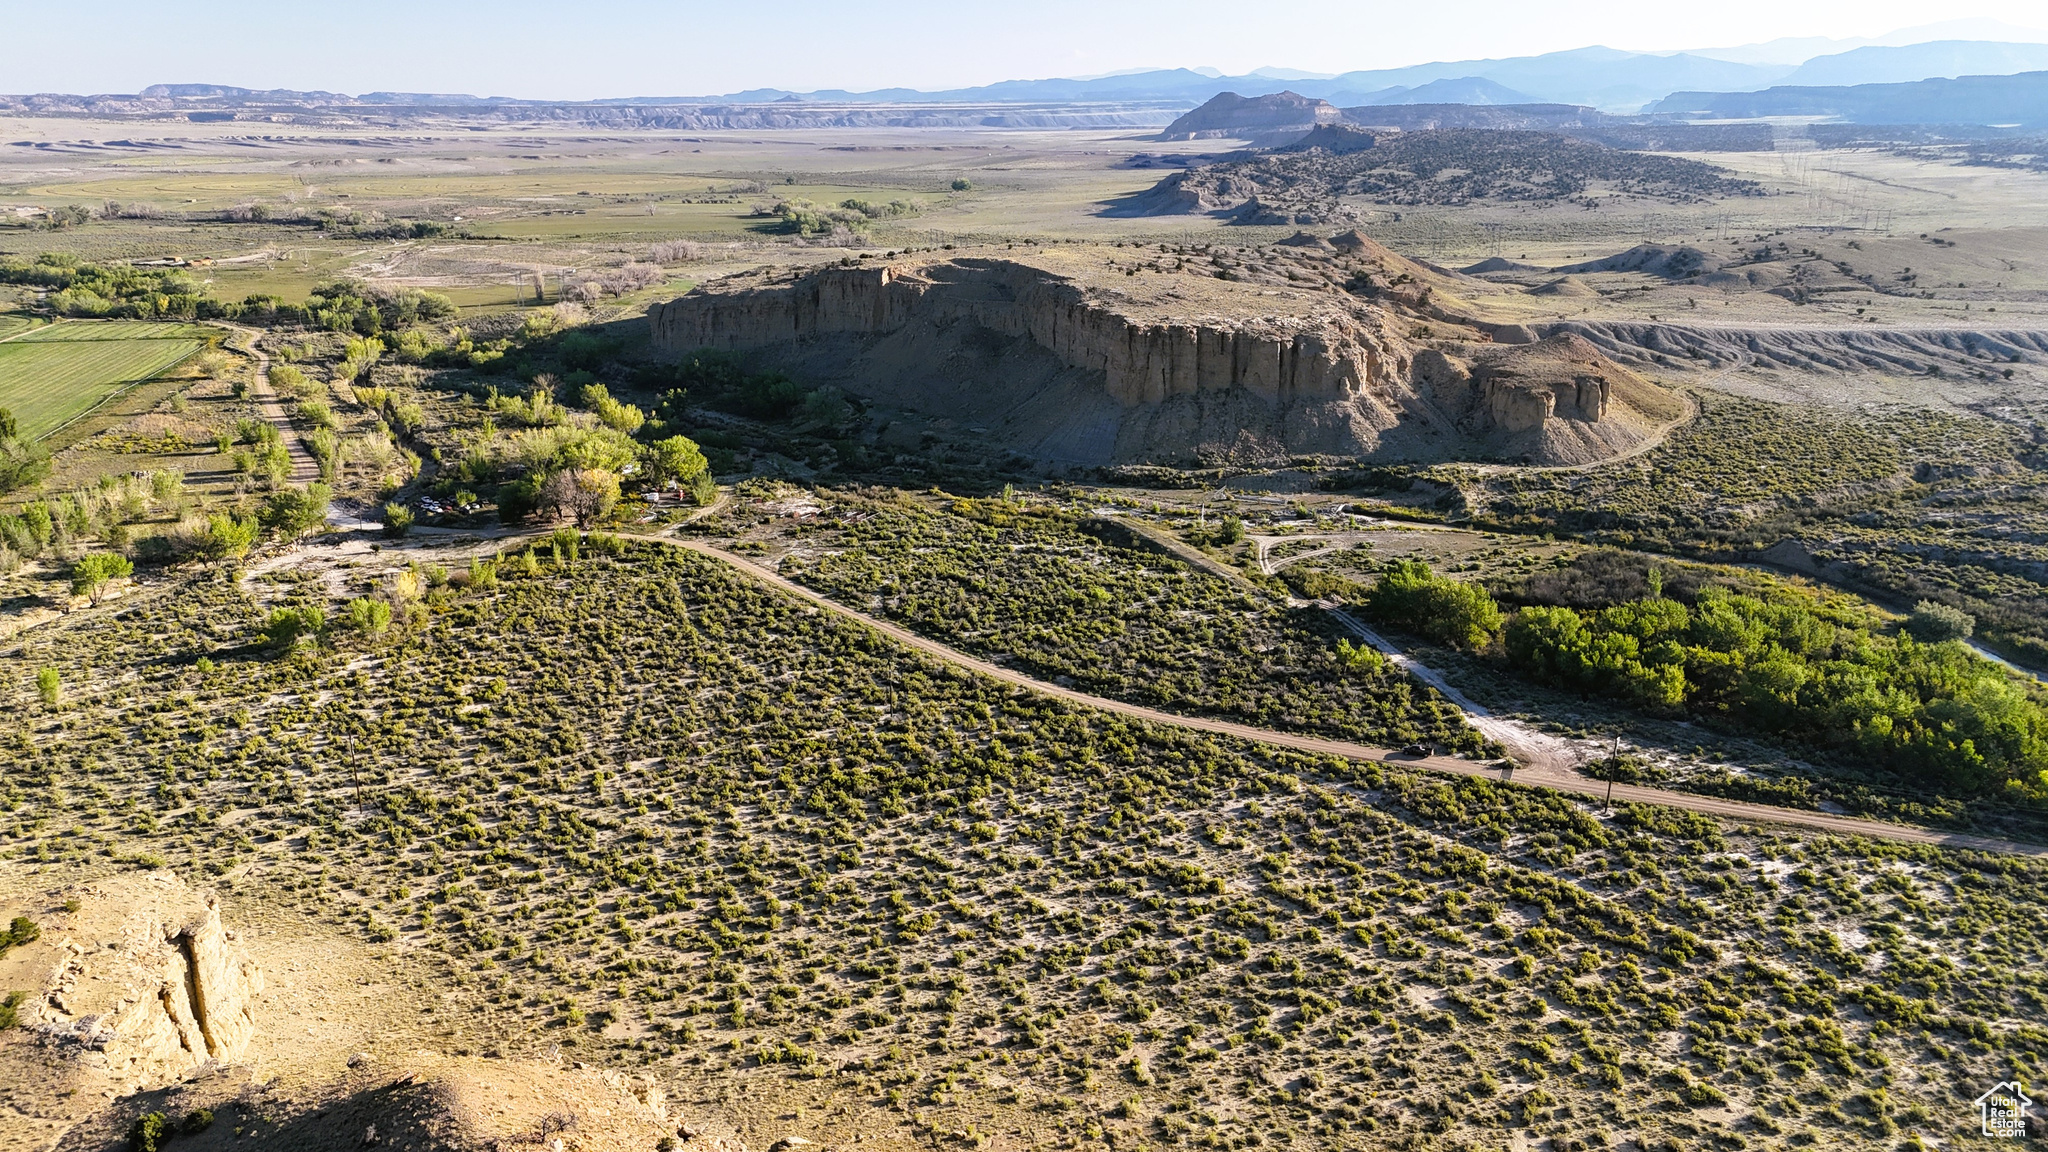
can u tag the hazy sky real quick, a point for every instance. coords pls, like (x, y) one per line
(600, 48)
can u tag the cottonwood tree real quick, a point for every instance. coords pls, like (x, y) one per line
(679, 459)
(585, 495)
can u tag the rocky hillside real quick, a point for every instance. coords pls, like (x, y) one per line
(1311, 181)
(1097, 355)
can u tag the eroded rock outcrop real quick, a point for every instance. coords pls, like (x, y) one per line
(1530, 397)
(1102, 355)
(151, 987)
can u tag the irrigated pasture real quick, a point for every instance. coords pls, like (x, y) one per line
(105, 331)
(49, 376)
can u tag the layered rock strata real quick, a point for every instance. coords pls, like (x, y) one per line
(1063, 362)
(1329, 356)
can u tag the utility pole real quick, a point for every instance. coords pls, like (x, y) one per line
(355, 769)
(1613, 770)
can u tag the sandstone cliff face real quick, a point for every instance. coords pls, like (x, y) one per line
(1063, 362)
(1334, 356)
(157, 989)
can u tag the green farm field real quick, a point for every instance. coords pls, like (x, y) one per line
(52, 375)
(113, 331)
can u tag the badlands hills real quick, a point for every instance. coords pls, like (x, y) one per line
(1281, 118)
(1329, 168)
(1101, 354)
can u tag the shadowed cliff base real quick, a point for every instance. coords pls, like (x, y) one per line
(422, 1101)
(1091, 355)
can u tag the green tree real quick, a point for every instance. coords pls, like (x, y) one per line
(398, 520)
(1411, 596)
(149, 1132)
(21, 931)
(22, 463)
(91, 574)
(676, 458)
(621, 417)
(50, 686)
(228, 537)
(293, 512)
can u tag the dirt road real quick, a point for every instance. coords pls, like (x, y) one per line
(305, 469)
(1544, 776)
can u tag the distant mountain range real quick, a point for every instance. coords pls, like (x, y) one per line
(1605, 78)
(2008, 101)
(1776, 75)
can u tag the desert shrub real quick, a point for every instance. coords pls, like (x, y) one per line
(1362, 657)
(149, 1132)
(368, 615)
(619, 417)
(290, 380)
(406, 417)
(286, 627)
(1933, 622)
(21, 930)
(741, 824)
(398, 520)
(1027, 584)
(1319, 583)
(534, 411)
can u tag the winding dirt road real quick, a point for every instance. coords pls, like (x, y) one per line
(1533, 776)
